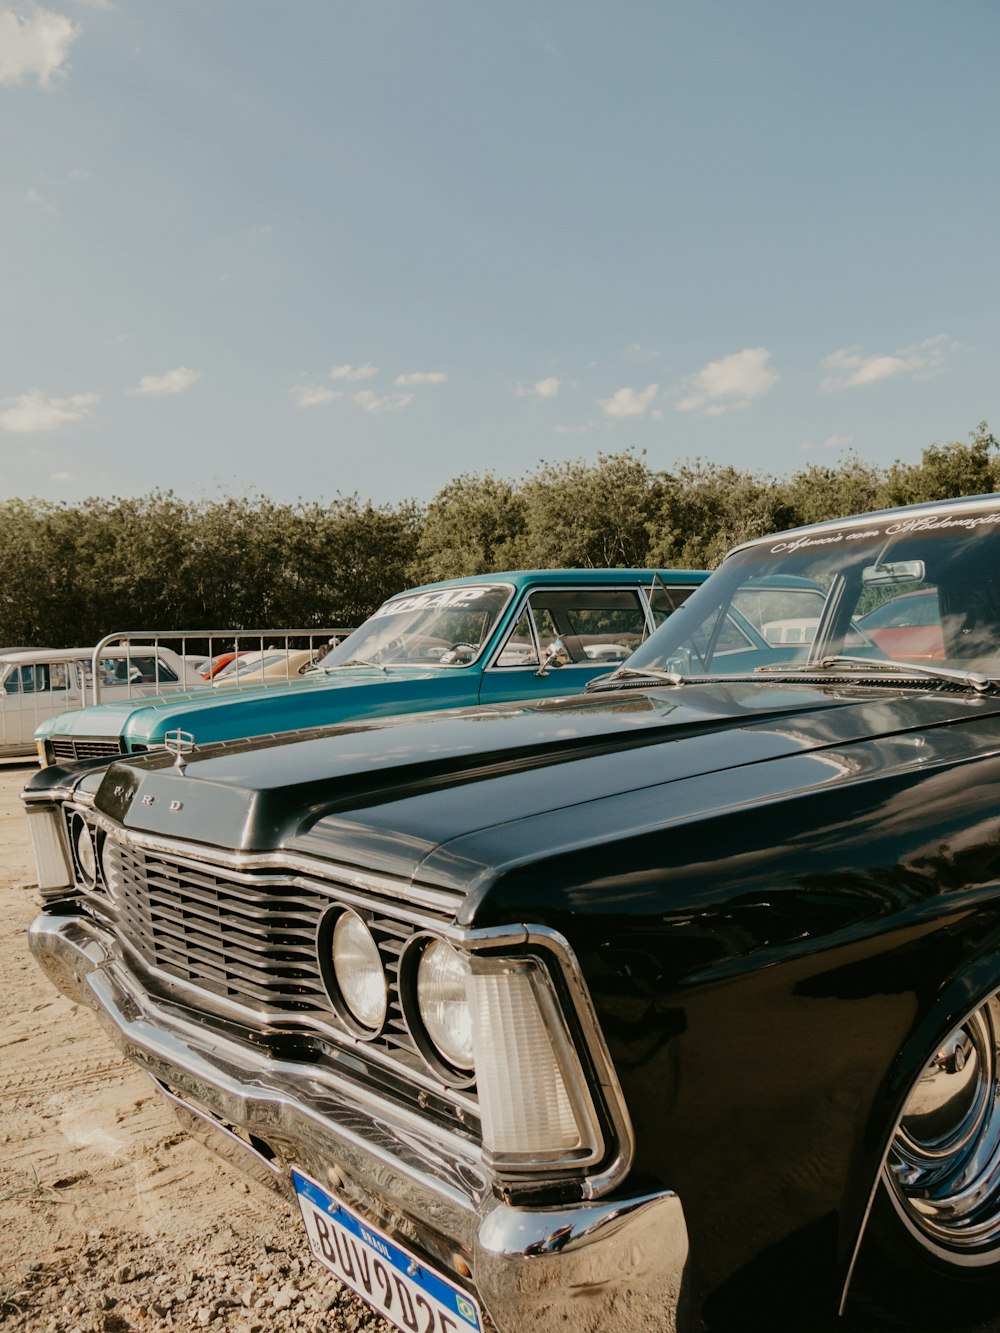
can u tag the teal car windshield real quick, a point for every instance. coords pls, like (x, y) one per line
(444, 627)
(809, 595)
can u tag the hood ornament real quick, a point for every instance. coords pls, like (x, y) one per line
(179, 744)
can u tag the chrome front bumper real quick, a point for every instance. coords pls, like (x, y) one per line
(615, 1264)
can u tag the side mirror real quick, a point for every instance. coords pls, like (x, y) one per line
(555, 655)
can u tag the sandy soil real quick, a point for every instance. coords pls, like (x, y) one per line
(112, 1218)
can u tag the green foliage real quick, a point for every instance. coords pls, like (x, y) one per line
(73, 573)
(473, 526)
(818, 492)
(946, 471)
(590, 515)
(707, 509)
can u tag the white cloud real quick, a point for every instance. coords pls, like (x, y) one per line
(61, 476)
(392, 402)
(627, 403)
(547, 388)
(34, 44)
(420, 377)
(174, 381)
(32, 411)
(850, 369)
(728, 384)
(313, 395)
(364, 372)
(36, 201)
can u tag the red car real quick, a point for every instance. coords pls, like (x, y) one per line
(907, 627)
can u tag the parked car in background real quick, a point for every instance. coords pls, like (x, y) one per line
(678, 999)
(266, 664)
(218, 663)
(37, 683)
(466, 641)
(907, 626)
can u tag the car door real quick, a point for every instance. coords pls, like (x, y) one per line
(32, 692)
(597, 628)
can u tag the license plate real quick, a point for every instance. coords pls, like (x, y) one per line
(401, 1287)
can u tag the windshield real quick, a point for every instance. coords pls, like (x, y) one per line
(920, 590)
(448, 627)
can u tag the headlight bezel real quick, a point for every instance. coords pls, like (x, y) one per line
(454, 1074)
(87, 864)
(325, 952)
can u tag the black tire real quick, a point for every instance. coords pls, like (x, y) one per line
(931, 1250)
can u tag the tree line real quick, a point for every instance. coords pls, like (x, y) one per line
(72, 573)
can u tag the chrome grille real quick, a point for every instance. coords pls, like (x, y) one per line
(83, 747)
(249, 939)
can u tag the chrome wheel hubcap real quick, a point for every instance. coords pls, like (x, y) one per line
(943, 1168)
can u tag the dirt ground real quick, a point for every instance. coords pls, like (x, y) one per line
(112, 1218)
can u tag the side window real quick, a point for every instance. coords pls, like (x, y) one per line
(34, 679)
(150, 670)
(730, 639)
(519, 650)
(545, 628)
(12, 681)
(115, 671)
(782, 616)
(595, 625)
(664, 601)
(59, 677)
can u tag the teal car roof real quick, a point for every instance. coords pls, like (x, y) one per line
(523, 578)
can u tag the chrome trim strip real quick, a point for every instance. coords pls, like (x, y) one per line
(53, 795)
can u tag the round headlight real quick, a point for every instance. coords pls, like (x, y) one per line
(443, 1004)
(358, 970)
(86, 854)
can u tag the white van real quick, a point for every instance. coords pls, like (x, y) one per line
(37, 683)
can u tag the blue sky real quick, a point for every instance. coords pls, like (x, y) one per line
(307, 247)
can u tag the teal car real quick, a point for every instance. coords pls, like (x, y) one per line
(484, 639)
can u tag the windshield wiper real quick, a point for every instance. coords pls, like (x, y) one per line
(971, 679)
(640, 673)
(355, 661)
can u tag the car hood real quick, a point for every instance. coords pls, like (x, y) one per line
(452, 798)
(148, 719)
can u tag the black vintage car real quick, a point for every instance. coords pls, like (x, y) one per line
(679, 1000)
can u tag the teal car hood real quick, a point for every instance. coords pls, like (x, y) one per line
(210, 714)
